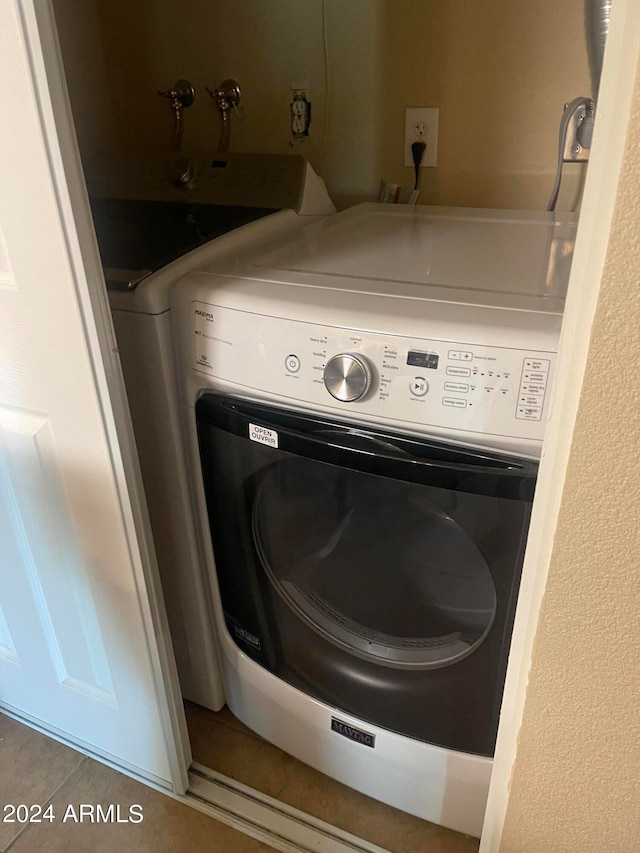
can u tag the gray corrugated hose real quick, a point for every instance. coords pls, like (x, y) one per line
(597, 14)
(596, 26)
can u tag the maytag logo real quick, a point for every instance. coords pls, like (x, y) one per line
(206, 314)
(358, 735)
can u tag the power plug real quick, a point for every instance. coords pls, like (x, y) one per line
(421, 125)
(417, 153)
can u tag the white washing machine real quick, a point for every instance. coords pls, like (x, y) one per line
(158, 216)
(364, 403)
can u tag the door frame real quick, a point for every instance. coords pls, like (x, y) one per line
(615, 99)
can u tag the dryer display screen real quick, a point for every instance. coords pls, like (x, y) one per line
(423, 359)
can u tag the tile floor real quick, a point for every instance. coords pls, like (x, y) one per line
(37, 770)
(223, 743)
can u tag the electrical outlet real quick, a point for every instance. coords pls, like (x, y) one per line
(300, 114)
(421, 125)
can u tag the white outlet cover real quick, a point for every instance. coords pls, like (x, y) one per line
(415, 119)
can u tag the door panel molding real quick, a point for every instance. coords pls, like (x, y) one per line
(48, 554)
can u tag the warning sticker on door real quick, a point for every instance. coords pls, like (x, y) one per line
(263, 435)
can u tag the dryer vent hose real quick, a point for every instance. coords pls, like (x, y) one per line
(597, 14)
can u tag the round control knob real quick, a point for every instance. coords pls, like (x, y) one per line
(347, 377)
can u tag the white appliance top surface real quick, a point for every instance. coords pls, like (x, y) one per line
(497, 258)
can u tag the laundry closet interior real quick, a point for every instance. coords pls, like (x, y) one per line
(281, 376)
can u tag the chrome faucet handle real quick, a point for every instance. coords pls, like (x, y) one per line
(227, 96)
(182, 95)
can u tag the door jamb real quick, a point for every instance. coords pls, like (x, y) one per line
(613, 111)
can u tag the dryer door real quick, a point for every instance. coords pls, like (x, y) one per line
(372, 564)
(376, 571)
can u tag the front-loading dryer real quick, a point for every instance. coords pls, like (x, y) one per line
(364, 402)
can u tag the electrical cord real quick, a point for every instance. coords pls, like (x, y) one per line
(417, 152)
(327, 93)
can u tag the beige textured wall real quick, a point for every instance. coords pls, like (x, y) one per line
(500, 72)
(576, 780)
(79, 26)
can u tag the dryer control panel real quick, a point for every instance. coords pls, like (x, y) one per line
(449, 385)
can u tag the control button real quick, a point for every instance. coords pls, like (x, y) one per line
(529, 413)
(532, 388)
(418, 386)
(458, 371)
(542, 364)
(531, 400)
(457, 387)
(534, 376)
(460, 355)
(454, 402)
(292, 363)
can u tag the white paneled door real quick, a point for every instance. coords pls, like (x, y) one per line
(77, 650)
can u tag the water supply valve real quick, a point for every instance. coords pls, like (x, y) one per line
(227, 97)
(181, 96)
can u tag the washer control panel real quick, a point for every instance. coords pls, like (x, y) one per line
(450, 385)
(250, 180)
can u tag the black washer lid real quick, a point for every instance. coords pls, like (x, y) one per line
(147, 235)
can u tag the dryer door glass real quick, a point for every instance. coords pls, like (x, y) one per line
(373, 565)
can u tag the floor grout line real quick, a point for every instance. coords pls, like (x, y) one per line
(46, 803)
